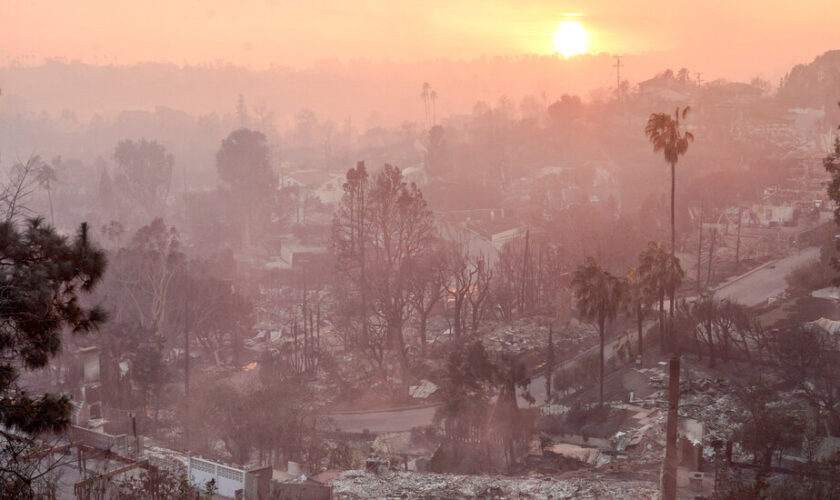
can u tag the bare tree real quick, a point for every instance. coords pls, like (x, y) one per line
(699, 317)
(807, 357)
(468, 285)
(143, 276)
(350, 231)
(479, 292)
(429, 287)
(20, 183)
(381, 232)
(402, 231)
(720, 325)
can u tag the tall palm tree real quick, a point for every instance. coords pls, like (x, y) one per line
(425, 94)
(45, 177)
(598, 295)
(659, 272)
(433, 97)
(668, 134)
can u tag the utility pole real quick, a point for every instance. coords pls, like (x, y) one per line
(133, 416)
(187, 347)
(549, 364)
(185, 194)
(186, 366)
(711, 257)
(738, 239)
(699, 80)
(617, 67)
(525, 274)
(699, 246)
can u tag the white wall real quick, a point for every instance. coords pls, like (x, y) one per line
(228, 479)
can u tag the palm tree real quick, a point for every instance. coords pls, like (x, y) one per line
(658, 273)
(45, 177)
(433, 97)
(668, 134)
(651, 271)
(637, 302)
(598, 295)
(425, 96)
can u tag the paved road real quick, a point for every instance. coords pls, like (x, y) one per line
(537, 387)
(384, 421)
(751, 289)
(755, 288)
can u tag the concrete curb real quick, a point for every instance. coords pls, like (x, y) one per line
(382, 410)
(744, 275)
(756, 269)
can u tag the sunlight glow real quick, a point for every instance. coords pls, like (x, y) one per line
(571, 38)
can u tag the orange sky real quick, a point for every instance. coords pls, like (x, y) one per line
(724, 37)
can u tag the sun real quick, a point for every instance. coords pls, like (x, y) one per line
(571, 38)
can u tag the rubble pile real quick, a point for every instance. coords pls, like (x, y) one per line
(718, 412)
(353, 485)
(168, 459)
(711, 401)
(704, 398)
(528, 335)
(591, 456)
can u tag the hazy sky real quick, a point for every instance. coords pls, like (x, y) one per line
(720, 36)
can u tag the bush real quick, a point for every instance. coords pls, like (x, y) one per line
(809, 277)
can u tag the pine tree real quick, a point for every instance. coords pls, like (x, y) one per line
(43, 276)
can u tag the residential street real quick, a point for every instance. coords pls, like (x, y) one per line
(384, 421)
(751, 289)
(768, 281)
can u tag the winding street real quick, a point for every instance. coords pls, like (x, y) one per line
(751, 289)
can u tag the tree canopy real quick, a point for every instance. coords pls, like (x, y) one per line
(243, 163)
(144, 173)
(44, 277)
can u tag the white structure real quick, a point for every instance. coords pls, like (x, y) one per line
(89, 357)
(100, 440)
(773, 214)
(228, 480)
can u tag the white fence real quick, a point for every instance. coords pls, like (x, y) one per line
(228, 479)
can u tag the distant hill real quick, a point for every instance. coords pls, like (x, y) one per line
(814, 85)
(369, 94)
